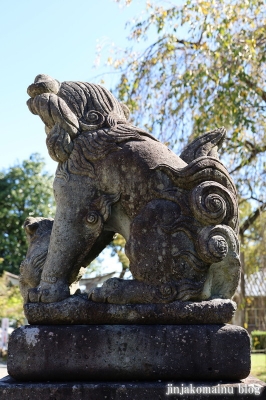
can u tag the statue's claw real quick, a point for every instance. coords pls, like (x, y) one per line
(33, 295)
(97, 295)
(48, 293)
(111, 292)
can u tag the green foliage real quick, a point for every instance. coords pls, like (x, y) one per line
(258, 366)
(11, 302)
(24, 190)
(203, 67)
(118, 248)
(258, 340)
(253, 242)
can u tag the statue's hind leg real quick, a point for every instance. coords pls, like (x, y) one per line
(158, 254)
(120, 291)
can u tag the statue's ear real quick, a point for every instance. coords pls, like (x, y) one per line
(30, 226)
(125, 110)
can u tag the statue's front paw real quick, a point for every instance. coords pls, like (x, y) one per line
(111, 292)
(48, 293)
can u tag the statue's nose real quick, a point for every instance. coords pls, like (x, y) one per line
(43, 84)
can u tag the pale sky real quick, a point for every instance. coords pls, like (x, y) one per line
(54, 37)
(58, 38)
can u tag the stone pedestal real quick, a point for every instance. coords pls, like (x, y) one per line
(247, 389)
(129, 352)
(127, 361)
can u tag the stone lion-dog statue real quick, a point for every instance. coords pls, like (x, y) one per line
(178, 214)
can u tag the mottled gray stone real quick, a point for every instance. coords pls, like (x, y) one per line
(38, 232)
(242, 390)
(179, 215)
(129, 352)
(80, 310)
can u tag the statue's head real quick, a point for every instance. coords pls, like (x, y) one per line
(70, 108)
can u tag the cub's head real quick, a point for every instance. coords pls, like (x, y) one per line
(38, 232)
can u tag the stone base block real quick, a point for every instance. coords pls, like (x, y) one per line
(248, 389)
(129, 352)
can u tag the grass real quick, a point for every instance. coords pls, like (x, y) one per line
(258, 366)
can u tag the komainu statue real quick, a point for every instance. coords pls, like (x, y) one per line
(179, 215)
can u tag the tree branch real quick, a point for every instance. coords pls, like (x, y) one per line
(245, 78)
(251, 219)
(253, 153)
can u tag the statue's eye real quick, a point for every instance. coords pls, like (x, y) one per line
(92, 217)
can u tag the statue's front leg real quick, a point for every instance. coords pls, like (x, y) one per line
(66, 254)
(58, 289)
(75, 239)
(73, 236)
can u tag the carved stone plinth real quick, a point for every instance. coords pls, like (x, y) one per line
(248, 389)
(129, 352)
(80, 310)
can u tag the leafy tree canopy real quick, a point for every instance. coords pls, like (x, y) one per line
(11, 302)
(25, 190)
(203, 67)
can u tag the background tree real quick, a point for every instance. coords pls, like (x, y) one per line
(203, 66)
(118, 248)
(254, 241)
(11, 302)
(25, 190)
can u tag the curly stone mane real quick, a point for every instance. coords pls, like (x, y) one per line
(71, 109)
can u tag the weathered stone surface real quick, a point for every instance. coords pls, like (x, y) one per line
(179, 215)
(38, 232)
(129, 352)
(246, 389)
(80, 310)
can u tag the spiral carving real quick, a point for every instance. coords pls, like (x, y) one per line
(214, 243)
(92, 121)
(218, 246)
(92, 217)
(212, 203)
(95, 116)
